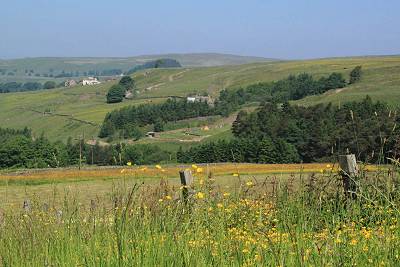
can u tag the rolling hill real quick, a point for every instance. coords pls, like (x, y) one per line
(20, 69)
(67, 112)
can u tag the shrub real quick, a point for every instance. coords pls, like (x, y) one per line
(115, 94)
(355, 75)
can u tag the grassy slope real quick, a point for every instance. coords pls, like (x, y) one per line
(381, 81)
(58, 64)
(88, 103)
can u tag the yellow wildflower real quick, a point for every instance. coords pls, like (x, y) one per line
(200, 195)
(353, 242)
(194, 166)
(199, 170)
(168, 197)
(129, 163)
(367, 234)
(249, 183)
(227, 194)
(158, 167)
(235, 174)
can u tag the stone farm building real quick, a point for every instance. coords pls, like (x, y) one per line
(70, 83)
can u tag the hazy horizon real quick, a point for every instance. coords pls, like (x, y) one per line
(277, 29)
(191, 53)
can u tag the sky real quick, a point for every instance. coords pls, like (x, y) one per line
(285, 29)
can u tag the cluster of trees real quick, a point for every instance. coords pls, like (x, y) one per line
(64, 74)
(355, 75)
(249, 150)
(28, 86)
(154, 64)
(8, 72)
(118, 91)
(292, 88)
(281, 134)
(128, 120)
(19, 149)
(120, 154)
(106, 72)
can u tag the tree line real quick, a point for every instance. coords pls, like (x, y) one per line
(105, 72)
(128, 121)
(293, 87)
(28, 86)
(288, 133)
(154, 64)
(20, 149)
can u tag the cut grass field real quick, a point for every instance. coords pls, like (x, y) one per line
(94, 182)
(17, 110)
(54, 185)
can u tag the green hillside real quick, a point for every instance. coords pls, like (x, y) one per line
(39, 69)
(71, 111)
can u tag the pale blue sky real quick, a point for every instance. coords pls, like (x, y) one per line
(270, 28)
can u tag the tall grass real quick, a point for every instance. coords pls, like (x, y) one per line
(303, 221)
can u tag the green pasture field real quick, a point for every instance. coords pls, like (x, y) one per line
(87, 103)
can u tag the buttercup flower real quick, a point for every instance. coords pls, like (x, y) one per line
(200, 195)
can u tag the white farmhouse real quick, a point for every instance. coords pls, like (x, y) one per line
(89, 81)
(191, 99)
(198, 98)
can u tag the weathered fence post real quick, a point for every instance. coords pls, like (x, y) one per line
(92, 205)
(26, 206)
(350, 172)
(186, 182)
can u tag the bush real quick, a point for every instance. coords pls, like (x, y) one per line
(158, 126)
(127, 83)
(355, 75)
(49, 85)
(145, 154)
(115, 94)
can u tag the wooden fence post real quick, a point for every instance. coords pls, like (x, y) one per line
(186, 182)
(350, 172)
(26, 206)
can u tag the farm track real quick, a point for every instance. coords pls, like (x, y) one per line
(172, 77)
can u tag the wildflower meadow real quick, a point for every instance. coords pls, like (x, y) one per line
(302, 220)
